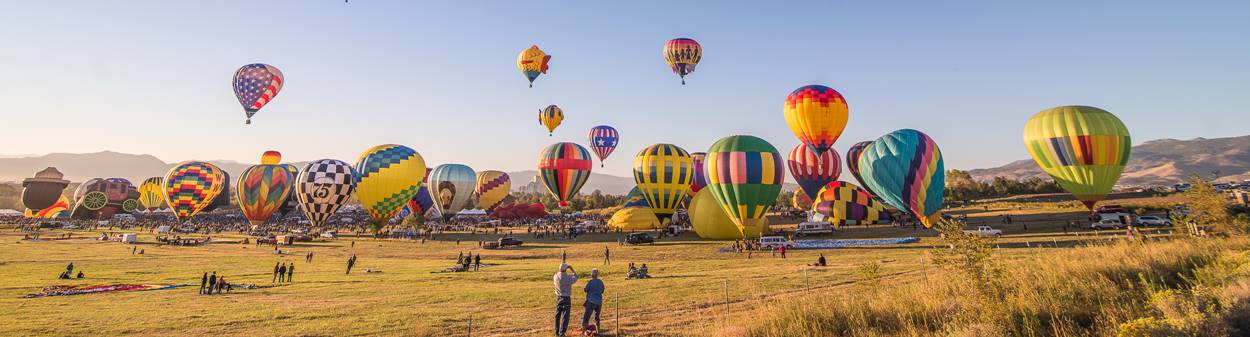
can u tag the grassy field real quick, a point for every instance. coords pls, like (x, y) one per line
(697, 291)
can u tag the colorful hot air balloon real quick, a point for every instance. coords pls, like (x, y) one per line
(532, 62)
(256, 85)
(223, 198)
(387, 176)
(190, 186)
(813, 171)
(817, 115)
(291, 202)
(905, 168)
(322, 187)
(550, 117)
(43, 190)
(710, 221)
(744, 174)
(563, 167)
(663, 173)
(262, 189)
(603, 140)
(492, 187)
(700, 178)
(1083, 148)
(852, 163)
(682, 55)
(844, 203)
(152, 193)
(452, 187)
(56, 210)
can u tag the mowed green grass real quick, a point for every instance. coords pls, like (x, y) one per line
(696, 290)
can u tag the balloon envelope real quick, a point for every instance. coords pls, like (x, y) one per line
(811, 170)
(905, 168)
(711, 222)
(262, 190)
(700, 177)
(634, 219)
(564, 167)
(452, 187)
(603, 140)
(256, 85)
(152, 193)
(1083, 148)
(745, 175)
(844, 203)
(386, 178)
(663, 173)
(322, 187)
(492, 187)
(817, 115)
(532, 62)
(682, 55)
(550, 117)
(190, 186)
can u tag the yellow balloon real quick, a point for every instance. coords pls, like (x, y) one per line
(663, 173)
(710, 221)
(634, 219)
(817, 115)
(388, 176)
(550, 117)
(1083, 148)
(492, 188)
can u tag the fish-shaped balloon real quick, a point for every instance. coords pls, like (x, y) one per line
(532, 62)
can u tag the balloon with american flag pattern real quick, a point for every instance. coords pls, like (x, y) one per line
(256, 85)
(603, 140)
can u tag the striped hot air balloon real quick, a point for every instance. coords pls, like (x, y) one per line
(744, 174)
(844, 203)
(564, 167)
(663, 173)
(817, 115)
(191, 186)
(905, 168)
(492, 187)
(262, 189)
(700, 178)
(256, 85)
(387, 176)
(452, 187)
(811, 170)
(152, 193)
(603, 140)
(852, 164)
(1083, 148)
(682, 55)
(322, 187)
(550, 117)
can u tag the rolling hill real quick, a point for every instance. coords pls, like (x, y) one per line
(1159, 162)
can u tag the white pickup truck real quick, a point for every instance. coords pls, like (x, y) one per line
(985, 231)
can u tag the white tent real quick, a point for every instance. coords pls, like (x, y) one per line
(10, 212)
(472, 212)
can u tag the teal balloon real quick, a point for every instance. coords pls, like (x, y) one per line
(904, 168)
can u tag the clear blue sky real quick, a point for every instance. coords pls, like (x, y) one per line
(154, 76)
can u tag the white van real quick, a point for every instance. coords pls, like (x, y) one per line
(774, 241)
(814, 228)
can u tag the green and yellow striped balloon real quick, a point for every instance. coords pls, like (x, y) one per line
(1083, 148)
(745, 176)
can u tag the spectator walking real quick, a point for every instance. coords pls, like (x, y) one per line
(351, 262)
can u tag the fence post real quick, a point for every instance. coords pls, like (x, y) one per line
(470, 325)
(726, 319)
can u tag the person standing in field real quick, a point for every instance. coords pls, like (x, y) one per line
(275, 273)
(212, 282)
(282, 273)
(350, 263)
(203, 282)
(290, 273)
(477, 262)
(594, 298)
(564, 290)
(607, 256)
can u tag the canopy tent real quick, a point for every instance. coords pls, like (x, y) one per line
(472, 212)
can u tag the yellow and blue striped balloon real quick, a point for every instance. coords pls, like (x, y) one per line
(550, 117)
(387, 176)
(663, 173)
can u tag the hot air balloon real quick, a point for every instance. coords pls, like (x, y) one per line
(452, 187)
(603, 140)
(852, 163)
(53, 211)
(550, 117)
(1083, 148)
(387, 176)
(634, 199)
(43, 190)
(905, 168)
(190, 186)
(532, 62)
(102, 198)
(291, 202)
(744, 174)
(563, 167)
(322, 187)
(663, 173)
(844, 203)
(800, 201)
(813, 171)
(492, 187)
(682, 55)
(817, 115)
(264, 188)
(256, 85)
(152, 193)
(223, 198)
(700, 178)
(710, 221)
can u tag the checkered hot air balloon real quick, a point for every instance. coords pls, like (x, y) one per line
(813, 171)
(663, 173)
(256, 85)
(322, 187)
(387, 178)
(564, 167)
(603, 140)
(191, 186)
(682, 55)
(817, 115)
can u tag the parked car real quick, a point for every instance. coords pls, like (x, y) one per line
(1107, 224)
(639, 238)
(509, 241)
(985, 231)
(774, 241)
(814, 228)
(1150, 220)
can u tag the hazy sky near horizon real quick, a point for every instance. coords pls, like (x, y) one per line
(154, 76)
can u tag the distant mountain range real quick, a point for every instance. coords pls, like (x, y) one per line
(1159, 162)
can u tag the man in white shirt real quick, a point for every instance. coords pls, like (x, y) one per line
(564, 289)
